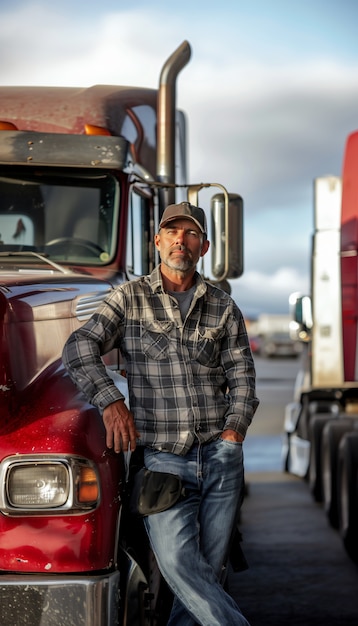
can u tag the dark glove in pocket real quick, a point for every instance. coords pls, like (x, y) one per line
(153, 492)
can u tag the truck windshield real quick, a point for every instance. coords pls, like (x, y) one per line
(68, 218)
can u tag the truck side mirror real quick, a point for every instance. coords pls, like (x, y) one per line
(301, 313)
(227, 236)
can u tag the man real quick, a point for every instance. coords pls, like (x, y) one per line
(191, 382)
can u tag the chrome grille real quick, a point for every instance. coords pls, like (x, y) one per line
(86, 306)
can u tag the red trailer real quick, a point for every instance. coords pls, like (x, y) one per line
(321, 425)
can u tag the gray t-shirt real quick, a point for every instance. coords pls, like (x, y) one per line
(184, 299)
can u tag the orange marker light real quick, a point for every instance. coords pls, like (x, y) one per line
(7, 126)
(90, 129)
(87, 486)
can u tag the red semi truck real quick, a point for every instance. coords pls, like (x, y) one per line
(85, 175)
(321, 424)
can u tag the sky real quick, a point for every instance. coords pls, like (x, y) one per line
(270, 95)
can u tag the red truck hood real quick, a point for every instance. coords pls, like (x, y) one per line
(37, 314)
(41, 413)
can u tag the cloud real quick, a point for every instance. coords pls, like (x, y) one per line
(264, 119)
(277, 134)
(257, 291)
(265, 130)
(114, 47)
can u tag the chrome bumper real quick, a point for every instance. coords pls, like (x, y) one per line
(32, 600)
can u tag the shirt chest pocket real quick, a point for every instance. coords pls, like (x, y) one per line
(155, 339)
(207, 349)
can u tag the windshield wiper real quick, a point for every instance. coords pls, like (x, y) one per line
(42, 258)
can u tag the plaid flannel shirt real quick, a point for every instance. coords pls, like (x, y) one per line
(188, 381)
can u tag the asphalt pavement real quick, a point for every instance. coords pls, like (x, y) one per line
(299, 573)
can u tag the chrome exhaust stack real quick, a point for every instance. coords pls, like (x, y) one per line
(166, 121)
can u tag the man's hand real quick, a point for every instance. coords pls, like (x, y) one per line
(120, 427)
(232, 435)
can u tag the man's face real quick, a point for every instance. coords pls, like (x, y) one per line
(181, 244)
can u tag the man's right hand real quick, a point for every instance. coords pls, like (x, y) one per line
(120, 427)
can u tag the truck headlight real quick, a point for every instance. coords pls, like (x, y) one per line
(40, 484)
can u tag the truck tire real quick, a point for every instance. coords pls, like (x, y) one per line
(315, 430)
(331, 437)
(348, 493)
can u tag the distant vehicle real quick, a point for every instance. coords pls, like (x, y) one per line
(279, 344)
(270, 336)
(255, 344)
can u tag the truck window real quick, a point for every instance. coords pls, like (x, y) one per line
(140, 248)
(69, 218)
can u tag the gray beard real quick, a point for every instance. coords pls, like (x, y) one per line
(181, 266)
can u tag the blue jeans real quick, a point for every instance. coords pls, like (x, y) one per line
(191, 539)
